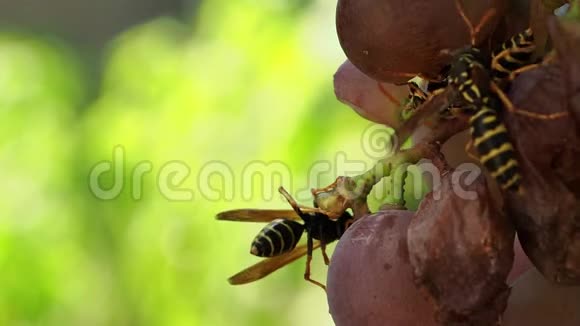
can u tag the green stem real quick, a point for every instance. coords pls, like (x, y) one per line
(352, 192)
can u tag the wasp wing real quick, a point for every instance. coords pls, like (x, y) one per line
(262, 215)
(269, 265)
(257, 215)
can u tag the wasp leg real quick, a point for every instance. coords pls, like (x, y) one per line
(507, 53)
(510, 107)
(486, 17)
(307, 209)
(432, 95)
(469, 151)
(549, 58)
(299, 209)
(518, 71)
(347, 224)
(323, 247)
(307, 274)
(324, 255)
(308, 261)
(290, 200)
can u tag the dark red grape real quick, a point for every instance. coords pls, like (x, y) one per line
(370, 279)
(461, 249)
(384, 38)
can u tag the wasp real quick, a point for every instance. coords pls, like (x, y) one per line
(489, 135)
(278, 240)
(473, 85)
(477, 79)
(469, 75)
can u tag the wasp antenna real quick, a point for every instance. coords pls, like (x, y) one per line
(461, 11)
(290, 200)
(486, 17)
(474, 30)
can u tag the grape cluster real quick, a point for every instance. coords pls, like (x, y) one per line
(448, 262)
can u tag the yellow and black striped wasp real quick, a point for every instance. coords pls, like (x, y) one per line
(278, 240)
(474, 76)
(469, 74)
(480, 81)
(485, 91)
(473, 85)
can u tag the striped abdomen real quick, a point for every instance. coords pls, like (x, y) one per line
(277, 237)
(513, 54)
(496, 152)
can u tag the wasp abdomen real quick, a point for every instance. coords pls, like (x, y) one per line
(277, 237)
(496, 152)
(513, 54)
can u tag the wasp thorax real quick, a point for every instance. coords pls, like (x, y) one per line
(461, 250)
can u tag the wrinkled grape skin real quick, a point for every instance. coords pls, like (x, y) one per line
(370, 279)
(386, 37)
(547, 218)
(461, 248)
(533, 300)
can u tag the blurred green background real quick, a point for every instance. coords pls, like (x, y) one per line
(214, 88)
(195, 95)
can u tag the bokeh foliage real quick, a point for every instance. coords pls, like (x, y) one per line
(249, 81)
